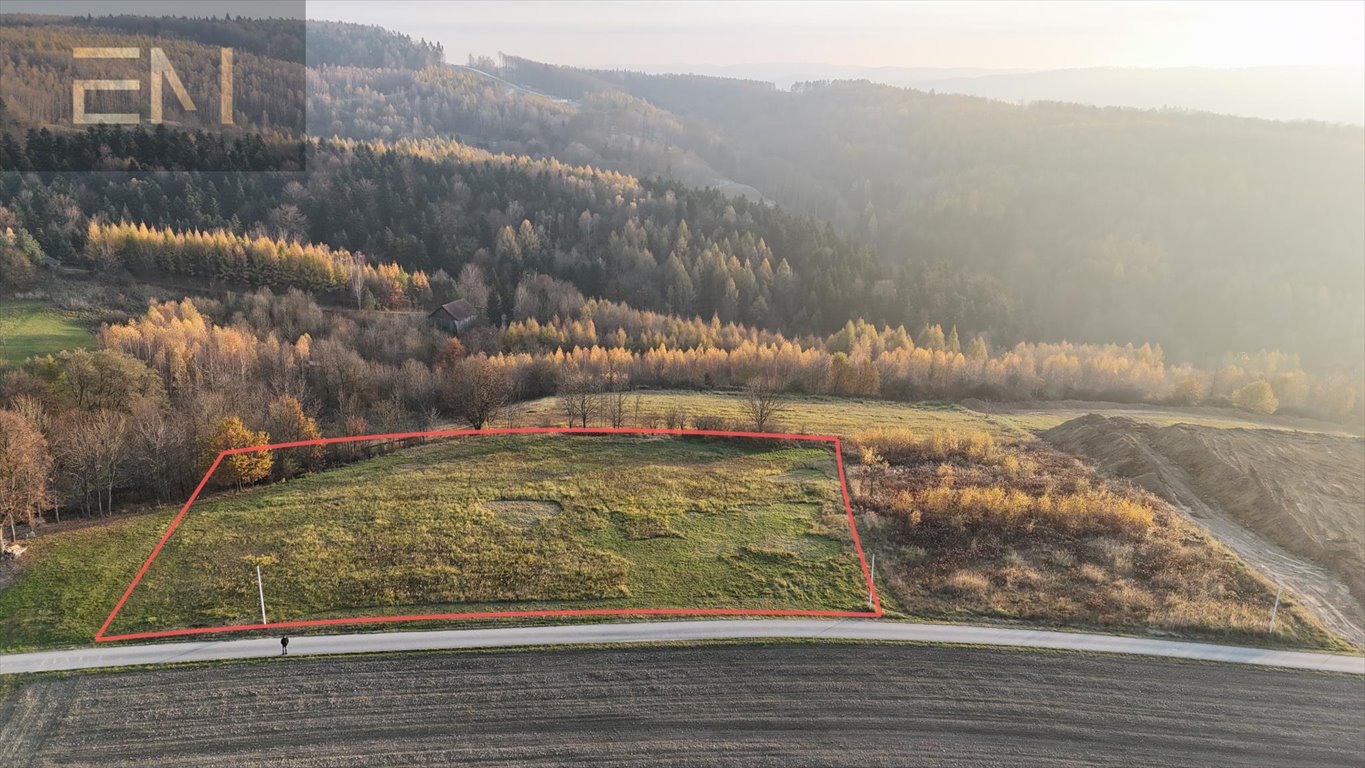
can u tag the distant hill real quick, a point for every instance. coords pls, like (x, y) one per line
(786, 75)
(1329, 94)
(1208, 233)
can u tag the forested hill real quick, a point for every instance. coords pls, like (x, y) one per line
(326, 43)
(39, 67)
(438, 206)
(269, 60)
(1205, 232)
(1209, 235)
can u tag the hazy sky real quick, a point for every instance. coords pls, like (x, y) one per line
(993, 35)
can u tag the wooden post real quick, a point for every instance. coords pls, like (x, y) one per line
(871, 579)
(260, 590)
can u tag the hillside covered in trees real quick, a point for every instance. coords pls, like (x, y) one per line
(1094, 224)
(437, 206)
(268, 67)
(1040, 222)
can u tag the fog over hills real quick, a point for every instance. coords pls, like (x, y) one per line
(1329, 94)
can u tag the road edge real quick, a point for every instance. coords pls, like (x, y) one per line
(671, 632)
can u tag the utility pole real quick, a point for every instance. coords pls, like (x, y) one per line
(871, 578)
(260, 590)
(1276, 608)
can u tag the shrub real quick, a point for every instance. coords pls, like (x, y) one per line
(1092, 512)
(968, 584)
(675, 418)
(902, 446)
(711, 422)
(1258, 397)
(868, 456)
(1092, 573)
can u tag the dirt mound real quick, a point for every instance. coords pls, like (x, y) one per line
(1301, 491)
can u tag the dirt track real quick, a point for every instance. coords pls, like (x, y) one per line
(802, 705)
(1292, 504)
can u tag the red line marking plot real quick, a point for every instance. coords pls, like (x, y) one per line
(101, 637)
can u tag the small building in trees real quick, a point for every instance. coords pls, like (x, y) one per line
(455, 316)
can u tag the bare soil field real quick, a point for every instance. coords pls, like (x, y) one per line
(1038, 415)
(721, 705)
(1292, 504)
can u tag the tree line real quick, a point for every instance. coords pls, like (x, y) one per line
(256, 262)
(139, 418)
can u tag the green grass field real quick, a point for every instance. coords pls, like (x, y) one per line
(30, 328)
(471, 524)
(804, 414)
(845, 416)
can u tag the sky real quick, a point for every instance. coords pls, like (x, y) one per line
(975, 34)
(986, 35)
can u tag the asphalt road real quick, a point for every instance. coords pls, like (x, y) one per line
(119, 654)
(808, 704)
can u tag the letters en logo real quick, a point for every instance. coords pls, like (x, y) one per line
(161, 73)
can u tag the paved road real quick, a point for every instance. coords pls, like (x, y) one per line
(116, 655)
(774, 705)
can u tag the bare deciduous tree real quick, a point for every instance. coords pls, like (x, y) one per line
(92, 449)
(473, 286)
(155, 437)
(579, 399)
(475, 391)
(512, 413)
(615, 397)
(615, 406)
(764, 400)
(358, 279)
(675, 418)
(25, 467)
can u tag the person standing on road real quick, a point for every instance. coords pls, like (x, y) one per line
(284, 646)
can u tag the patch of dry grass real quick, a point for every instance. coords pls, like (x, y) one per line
(902, 445)
(967, 528)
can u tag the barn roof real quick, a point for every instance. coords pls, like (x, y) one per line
(459, 309)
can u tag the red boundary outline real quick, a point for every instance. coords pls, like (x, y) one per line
(100, 637)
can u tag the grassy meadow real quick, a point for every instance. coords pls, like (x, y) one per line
(842, 416)
(472, 524)
(812, 414)
(30, 328)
